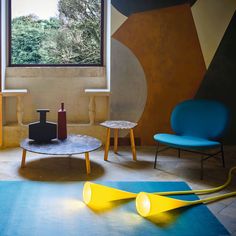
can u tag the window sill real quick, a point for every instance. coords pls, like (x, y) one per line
(55, 72)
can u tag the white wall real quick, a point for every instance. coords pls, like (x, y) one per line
(3, 41)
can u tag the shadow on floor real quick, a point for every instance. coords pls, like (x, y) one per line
(60, 169)
(138, 165)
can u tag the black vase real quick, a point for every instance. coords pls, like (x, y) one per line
(42, 131)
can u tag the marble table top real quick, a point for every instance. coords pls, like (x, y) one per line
(118, 124)
(74, 144)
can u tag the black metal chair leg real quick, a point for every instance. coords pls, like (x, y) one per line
(202, 171)
(222, 155)
(179, 152)
(155, 163)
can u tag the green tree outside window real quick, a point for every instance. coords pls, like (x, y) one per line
(72, 37)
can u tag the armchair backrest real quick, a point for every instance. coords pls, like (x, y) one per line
(200, 118)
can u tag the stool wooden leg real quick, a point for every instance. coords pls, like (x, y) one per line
(133, 144)
(70, 156)
(87, 163)
(23, 158)
(116, 140)
(107, 144)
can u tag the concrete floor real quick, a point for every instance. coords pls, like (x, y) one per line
(121, 168)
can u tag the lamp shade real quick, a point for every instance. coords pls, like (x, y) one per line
(149, 204)
(96, 194)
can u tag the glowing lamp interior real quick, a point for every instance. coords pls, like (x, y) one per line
(148, 204)
(87, 193)
(143, 204)
(97, 195)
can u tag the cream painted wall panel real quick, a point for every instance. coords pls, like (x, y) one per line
(211, 18)
(117, 19)
(49, 86)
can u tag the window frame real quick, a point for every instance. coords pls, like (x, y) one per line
(55, 65)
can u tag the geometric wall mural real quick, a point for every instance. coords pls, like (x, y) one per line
(129, 7)
(220, 80)
(212, 18)
(117, 19)
(165, 42)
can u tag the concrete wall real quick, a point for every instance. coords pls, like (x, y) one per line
(48, 87)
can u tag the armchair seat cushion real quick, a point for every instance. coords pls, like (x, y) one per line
(187, 142)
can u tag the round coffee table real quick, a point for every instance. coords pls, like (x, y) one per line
(74, 144)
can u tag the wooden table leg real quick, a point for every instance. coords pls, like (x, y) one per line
(107, 144)
(87, 163)
(133, 144)
(23, 158)
(116, 140)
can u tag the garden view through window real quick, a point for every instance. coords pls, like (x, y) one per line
(56, 32)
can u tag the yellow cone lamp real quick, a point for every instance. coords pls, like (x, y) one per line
(96, 195)
(148, 204)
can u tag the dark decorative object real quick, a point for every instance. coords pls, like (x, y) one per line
(42, 131)
(61, 123)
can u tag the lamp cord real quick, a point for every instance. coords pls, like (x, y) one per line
(204, 191)
(213, 199)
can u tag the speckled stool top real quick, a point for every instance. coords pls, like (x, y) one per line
(118, 124)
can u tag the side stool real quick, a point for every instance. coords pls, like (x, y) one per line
(116, 125)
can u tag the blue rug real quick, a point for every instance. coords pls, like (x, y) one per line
(43, 209)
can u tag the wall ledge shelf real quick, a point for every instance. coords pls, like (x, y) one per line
(93, 93)
(14, 92)
(97, 92)
(18, 93)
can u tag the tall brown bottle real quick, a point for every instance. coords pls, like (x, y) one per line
(61, 127)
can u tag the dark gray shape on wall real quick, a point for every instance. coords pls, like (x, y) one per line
(128, 7)
(128, 84)
(219, 82)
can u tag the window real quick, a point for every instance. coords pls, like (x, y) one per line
(56, 33)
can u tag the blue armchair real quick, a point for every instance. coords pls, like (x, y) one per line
(198, 125)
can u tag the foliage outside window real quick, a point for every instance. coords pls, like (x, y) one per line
(73, 36)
